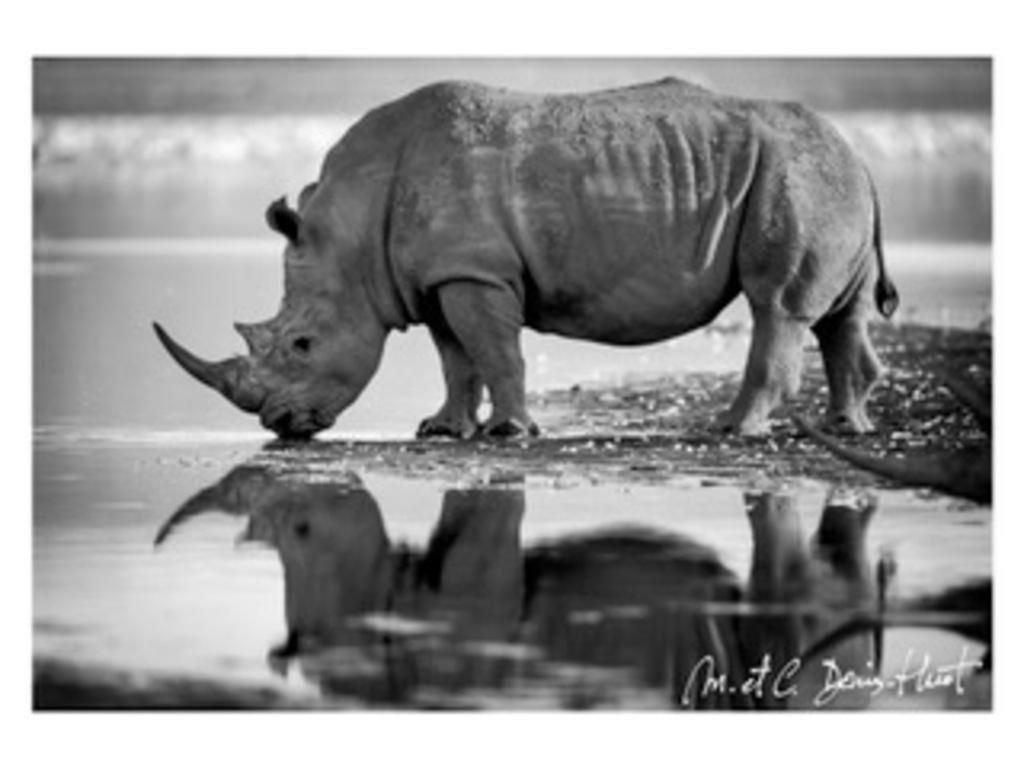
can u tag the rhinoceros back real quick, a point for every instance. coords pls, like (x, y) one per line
(613, 215)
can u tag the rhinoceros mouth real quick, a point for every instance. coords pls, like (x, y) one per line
(286, 414)
(290, 424)
(288, 427)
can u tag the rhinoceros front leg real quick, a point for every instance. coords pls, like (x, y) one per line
(464, 387)
(487, 320)
(774, 367)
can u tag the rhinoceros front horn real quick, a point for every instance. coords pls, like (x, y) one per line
(234, 378)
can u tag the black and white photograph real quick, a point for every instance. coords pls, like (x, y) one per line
(512, 383)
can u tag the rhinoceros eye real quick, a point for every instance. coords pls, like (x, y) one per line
(302, 344)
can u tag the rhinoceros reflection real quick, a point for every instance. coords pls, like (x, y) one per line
(347, 586)
(330, 538)
(625, 616)
(805, 589)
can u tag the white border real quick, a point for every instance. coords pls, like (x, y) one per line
(522, 27)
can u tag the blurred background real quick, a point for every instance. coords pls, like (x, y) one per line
(150, 178)
(210, 141)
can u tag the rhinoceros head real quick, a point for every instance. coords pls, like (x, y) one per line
(308, 363)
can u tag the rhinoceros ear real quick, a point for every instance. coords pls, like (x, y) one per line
(284, 220)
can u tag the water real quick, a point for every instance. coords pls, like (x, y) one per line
(353, 588)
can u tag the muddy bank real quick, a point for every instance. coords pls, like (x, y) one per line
(660, 430)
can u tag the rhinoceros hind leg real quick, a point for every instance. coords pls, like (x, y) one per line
(851, 367)
(773, 372)
(464, 388)
(487, 320)
(850, 423)
(510, 428)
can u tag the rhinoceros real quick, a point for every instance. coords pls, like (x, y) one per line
(623, 216)
(653, 601)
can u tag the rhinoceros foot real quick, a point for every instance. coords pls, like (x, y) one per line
(437, 426)
(509, 428)
(856, 423)
(727, 423)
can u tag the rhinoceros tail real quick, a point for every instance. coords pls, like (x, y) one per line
(887, 298)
